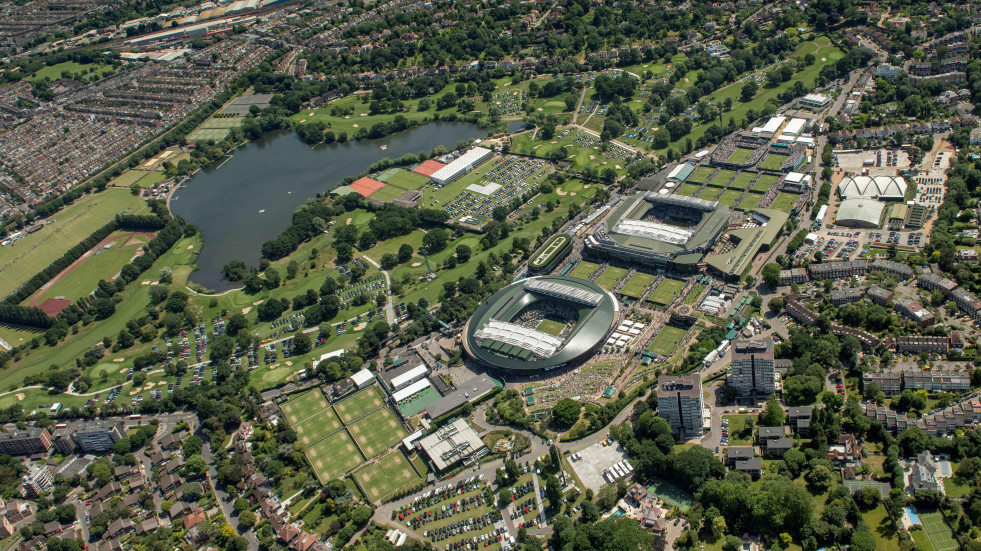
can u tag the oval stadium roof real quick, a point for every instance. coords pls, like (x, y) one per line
(492, 337)
(883, 187)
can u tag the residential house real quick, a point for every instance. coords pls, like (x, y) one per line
(846, 450)
(925, 474)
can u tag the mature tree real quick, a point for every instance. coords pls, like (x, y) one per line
(435, 240)
(565, 413)
(463, 253)
(405, 252)
(771, 274)
(773, 415)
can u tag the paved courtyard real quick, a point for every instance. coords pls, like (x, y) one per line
(596, 459)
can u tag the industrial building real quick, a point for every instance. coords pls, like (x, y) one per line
(679, 402)
(863, 212)
(452, 444)
(461, 165)
(752, 367)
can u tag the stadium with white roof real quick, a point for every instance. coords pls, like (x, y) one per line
(540, 323)
(660, 230)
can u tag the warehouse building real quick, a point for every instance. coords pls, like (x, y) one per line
(859, 213)
(461, 165)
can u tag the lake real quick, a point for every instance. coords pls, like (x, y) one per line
(250, 199)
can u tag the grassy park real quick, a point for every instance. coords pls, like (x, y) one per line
(28, 256)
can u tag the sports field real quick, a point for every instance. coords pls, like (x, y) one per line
(610, 277)
(321, 423)
(130, 177)
(730, 197)
(740, 155)
(722, 178)
(583, 270)
(551, 327)
(397, 182)
(750, 201)
(773, 161)
(303, 406)
(710, 193)
(688, 190)
(937, 531)
(360, 404)
(149, 179)
(103, 262)
(785, 201)
(665, 341)
(215, 129)
(387, 475)
(28, 256)
(742, 181)
(334, 456)
(377, 432)
(765, 182)
(638, 283)
(667, 291)
(701, 174)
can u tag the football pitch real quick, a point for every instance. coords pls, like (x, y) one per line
(334, 456)
(377, 432)
(387, 475)
(667, 291)
(359, 404)
(937, 531)
(638, 283)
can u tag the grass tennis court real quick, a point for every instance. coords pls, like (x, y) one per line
(938, 531)
(701, 174)
(551, 327)
(333, 456)
(318, 425)
(740, 155)
(377, 432)
(387, 193)
(742, 181)
(387, 476)
(722, 178)
(406, 180)
(303, 406)
(584, 270)
(765, 182)
(359, 404)
(710, 193)
(785, 201)
(638, 283)
(688, 190)
(750, 201)
(129, 178)
(730, 197)
(773, 161)
(666, 341)
(610, 277)
(667, 291)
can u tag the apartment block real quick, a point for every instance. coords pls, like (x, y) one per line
(25, 442)
(792, 276)
(679, 402)
(752, 367)
(933, 281)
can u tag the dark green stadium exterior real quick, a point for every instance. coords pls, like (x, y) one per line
(595, 323)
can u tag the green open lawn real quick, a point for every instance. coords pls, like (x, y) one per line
(580, 157)
(737, 424)
(387, 475)
(883, 528)
(610, 277)
(785, 201)
(667, 291)
(773, 161)
(130, 177)
(377, 432)
(743, 180)
(333, 456)
(53, 72)
(23, 259)
(955, 488)
(701, 174)
(637, 285)
(666, 340)
(584, 270)
(102, 264)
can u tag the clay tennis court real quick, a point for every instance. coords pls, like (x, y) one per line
(366, 186)
(334, 456)
(428, 167)
(387, 475)
(377, 432)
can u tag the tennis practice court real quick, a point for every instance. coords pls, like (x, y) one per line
(366, 186)
(938, 532)
(428, 167)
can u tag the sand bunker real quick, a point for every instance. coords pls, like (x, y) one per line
(20, 395)
(348, 223)
(561, 192)
(354, 126)
(256, 303)
(416, 264)
(289, 363)
(361, 326)
(246, 310)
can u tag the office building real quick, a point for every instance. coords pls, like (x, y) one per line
(99, 436)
